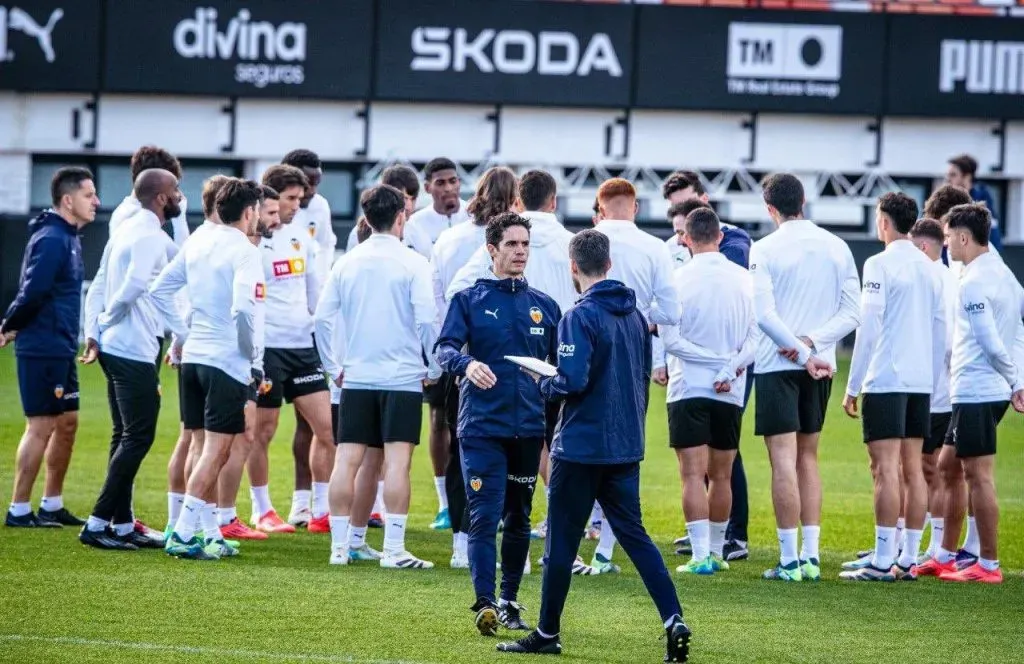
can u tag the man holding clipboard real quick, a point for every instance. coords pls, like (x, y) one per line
(501, 412)
(604, 366)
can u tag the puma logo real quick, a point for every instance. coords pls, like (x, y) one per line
(19, 19)
(494, 313)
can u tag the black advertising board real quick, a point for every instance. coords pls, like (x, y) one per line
(951, 66)
(741, 60)
(257, 48)
(50, 45)
(497, 51)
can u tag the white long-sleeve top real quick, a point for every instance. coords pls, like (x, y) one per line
(901, 342)
(450, 254)
(223, 272)
(679, 251)
(315, 221)
(380, 296)
(547, 268)
(988, 343)
(805, 285)
(717, 332)
(643, 263)
(950, 291)
(119, 313)
(425, 225)
(130, 205)
(293, 287)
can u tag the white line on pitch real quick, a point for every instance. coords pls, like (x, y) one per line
(201, 650)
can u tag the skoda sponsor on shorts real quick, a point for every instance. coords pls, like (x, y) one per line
(259, 48)
(501, 52)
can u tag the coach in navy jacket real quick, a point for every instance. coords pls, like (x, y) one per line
(501, 412)
(604, 367)
(45, 317)
(47, 310)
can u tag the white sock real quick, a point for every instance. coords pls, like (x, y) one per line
(260, 500)
(461, 543)
(901, 527)
(394, 533)
(378, 502)
(596, 514)
(988, 565)
(972, 544)
(301, 499)
(810, 546)
(787, 545)
(339, 530)
(188, 520)
(123, 529)
(208, 516)
(885, 548)
(356, 537)
(606, 542)
(700, 538)
(938, 528)
(718, 529)
(226, 515)
(944, 556)
(174, 501)
(20, 509)
(911, 547)
(51, 503)
(320, 507)
(96, 525)
(442, 495)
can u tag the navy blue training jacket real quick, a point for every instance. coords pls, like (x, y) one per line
(496, 318)
(735, 246)
(46, 313)
(604, 369)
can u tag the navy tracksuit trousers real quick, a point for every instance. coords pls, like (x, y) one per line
(573, 489)
(500, 476)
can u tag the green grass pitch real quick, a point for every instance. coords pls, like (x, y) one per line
(281, 602)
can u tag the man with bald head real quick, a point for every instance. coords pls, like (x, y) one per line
(123, 329)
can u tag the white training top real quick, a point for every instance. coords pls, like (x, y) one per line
(717, 332)
(315, 219)
(547, 268)
(988, 344)
(426, 224)
(901, 342)
(289, 267)
(119, 313)
(643, 263)
(451, 253)
(680, 252)
(130, 205)
(805, 285)
(223, 272)
(380, 295)
(950, 288)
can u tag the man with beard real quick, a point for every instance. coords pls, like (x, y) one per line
(291, 364)
(128, 327)
(314, 216)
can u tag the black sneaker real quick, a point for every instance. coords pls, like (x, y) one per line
(486, 617)
(678, 648)
(29, 520)
(105, 539)
(61, 517)
(683, 547)
(510, 616)
(733, 550)
(142, 540)
(533, 644)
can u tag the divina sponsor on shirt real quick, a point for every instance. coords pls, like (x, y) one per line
(245, 39)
